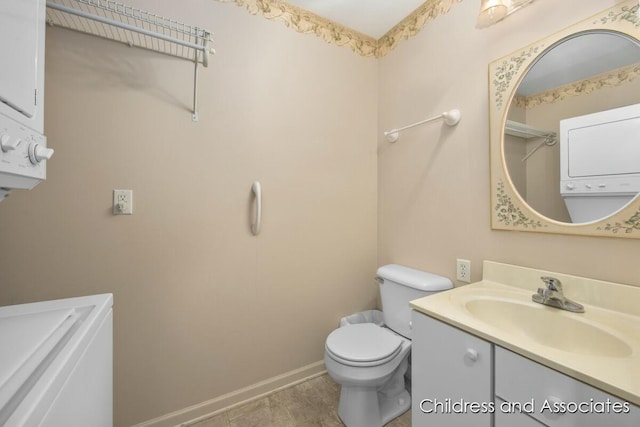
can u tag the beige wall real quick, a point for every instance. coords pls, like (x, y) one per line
(202, 308)
(434, 182)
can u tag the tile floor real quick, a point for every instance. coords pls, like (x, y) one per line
(309, 404)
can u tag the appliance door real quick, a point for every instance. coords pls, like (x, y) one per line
(22, 30)
(86, 398)
(56, 363)
(604, 149)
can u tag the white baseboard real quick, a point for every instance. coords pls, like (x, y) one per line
(192, 414)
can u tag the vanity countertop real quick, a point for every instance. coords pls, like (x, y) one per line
(600, 347)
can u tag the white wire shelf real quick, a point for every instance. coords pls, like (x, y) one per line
(522, 130)
(525, 131)
(136, 28)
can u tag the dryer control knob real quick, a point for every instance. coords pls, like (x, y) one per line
(7, 144)
(38, 153)
(571, 186)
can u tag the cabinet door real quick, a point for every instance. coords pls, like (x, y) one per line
(451, 376)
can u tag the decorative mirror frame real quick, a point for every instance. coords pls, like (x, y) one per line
(509, 211)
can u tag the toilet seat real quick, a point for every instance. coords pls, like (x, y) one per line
(363, 344)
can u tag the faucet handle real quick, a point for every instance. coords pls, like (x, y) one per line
(552, 283)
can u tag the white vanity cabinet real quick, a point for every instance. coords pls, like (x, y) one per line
(454, 366)
(451, 371)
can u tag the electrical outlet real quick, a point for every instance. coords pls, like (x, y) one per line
(122, 202)
(463, 270)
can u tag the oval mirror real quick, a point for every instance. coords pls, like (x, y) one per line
(578, 84)
(567, 142)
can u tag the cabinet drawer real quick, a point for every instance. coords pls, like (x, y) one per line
(506, 416)
(545, 392)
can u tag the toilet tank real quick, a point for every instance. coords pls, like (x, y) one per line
(398, 286)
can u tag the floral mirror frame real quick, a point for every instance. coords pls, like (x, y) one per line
(509, 211)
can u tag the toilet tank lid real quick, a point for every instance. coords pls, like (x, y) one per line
(413, 278)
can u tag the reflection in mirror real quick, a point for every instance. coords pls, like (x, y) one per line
(591, 74)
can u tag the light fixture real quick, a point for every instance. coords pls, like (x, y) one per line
(492, 11)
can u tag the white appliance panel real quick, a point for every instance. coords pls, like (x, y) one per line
(22, 51)
(86, 399)
(59, 363)
(608, 148)
(600, 162)
(591, 208)
(23, 146)
(600, 153)
(28, 340)
(16, 168)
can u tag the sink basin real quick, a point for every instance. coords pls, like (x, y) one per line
(564, 331)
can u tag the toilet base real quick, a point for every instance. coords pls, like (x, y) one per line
(365, 408)
(370, 407)
(394, 408)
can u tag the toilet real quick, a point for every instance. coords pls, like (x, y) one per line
(370, 361)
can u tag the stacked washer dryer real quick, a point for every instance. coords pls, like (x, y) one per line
(56, 363)
(600, 162)
(23, 145)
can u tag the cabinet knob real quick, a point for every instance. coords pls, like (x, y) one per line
(555, 401)
(557, 407)
(472, 354)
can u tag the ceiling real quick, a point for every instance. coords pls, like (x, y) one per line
(579, 58)
(370, 17)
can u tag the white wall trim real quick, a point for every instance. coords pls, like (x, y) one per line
(192, 414)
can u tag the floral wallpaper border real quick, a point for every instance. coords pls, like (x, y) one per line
(613, 78)
(309, 23)
(413, 24)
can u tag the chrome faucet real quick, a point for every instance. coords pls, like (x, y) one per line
(552, 295)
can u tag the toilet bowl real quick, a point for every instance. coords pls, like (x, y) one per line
(370, 360)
